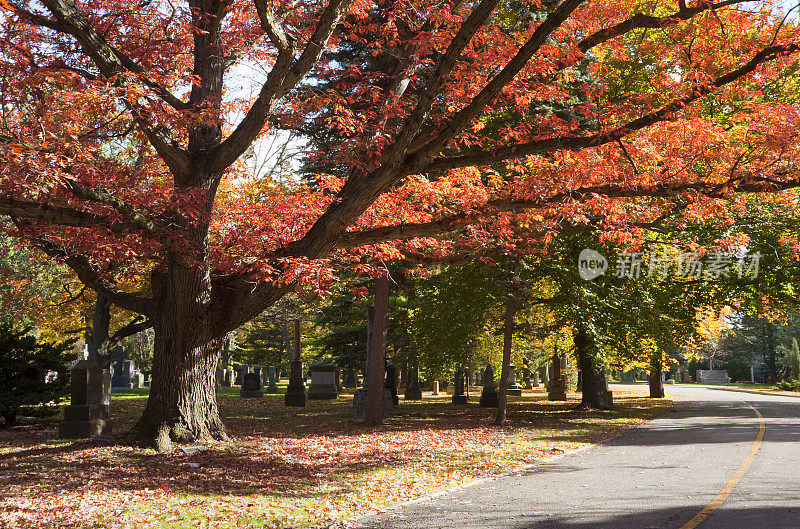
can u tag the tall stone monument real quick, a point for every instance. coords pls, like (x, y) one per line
(513, 389)
(120, 382)
(272, 386)
(459, 397)
(558, 381)
(296, 392)
(489, 392)
(88, 412)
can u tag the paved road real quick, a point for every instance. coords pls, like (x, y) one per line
(659, 475)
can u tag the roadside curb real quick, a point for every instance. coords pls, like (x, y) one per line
(754, 391)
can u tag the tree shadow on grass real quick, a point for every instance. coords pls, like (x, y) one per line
(274, 450)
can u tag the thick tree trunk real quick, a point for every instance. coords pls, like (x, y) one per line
(595, 393)
(656, 387)
(182, 406)
(508, 336)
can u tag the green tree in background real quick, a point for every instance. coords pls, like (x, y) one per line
(31, 372)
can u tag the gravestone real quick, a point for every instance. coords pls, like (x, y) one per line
(120, 382)
(413, 389)
(513, 389)
(296, 391)
(544, 376)
(251, 386)
(558, 382)
(228, 378)
(435, 387)
(479, 377)
(458, 388)
(350, 379)
(391, 382)
(260, 372)
(713, 376)
(272, 386)
(219, 376)
(137, 380)
(323, 382)
(535, 379)
(88, 412)
(360, 403)
(240, 373)
(147, 379)
(360, 398)
(526, 377)
(489, 392)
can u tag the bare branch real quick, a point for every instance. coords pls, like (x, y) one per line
(135, 326)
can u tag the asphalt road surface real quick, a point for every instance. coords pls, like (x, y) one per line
(659, 475)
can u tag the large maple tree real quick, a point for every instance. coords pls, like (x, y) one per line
(124, 126)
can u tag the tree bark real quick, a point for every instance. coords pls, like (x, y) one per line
(656, 386)
(595, 393)
(508, 337)
(377, 352)
(182, 406)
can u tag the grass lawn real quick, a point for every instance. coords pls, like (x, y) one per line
(287, 466)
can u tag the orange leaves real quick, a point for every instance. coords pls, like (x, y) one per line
(286, 468)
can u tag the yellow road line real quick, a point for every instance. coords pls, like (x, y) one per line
(726, 490)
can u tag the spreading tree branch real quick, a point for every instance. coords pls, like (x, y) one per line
(475, 107)
(284, 76)
(417, 164)
(112, 62)
(428, 137)
(61, 216)
(90, 276)
(457, 221)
